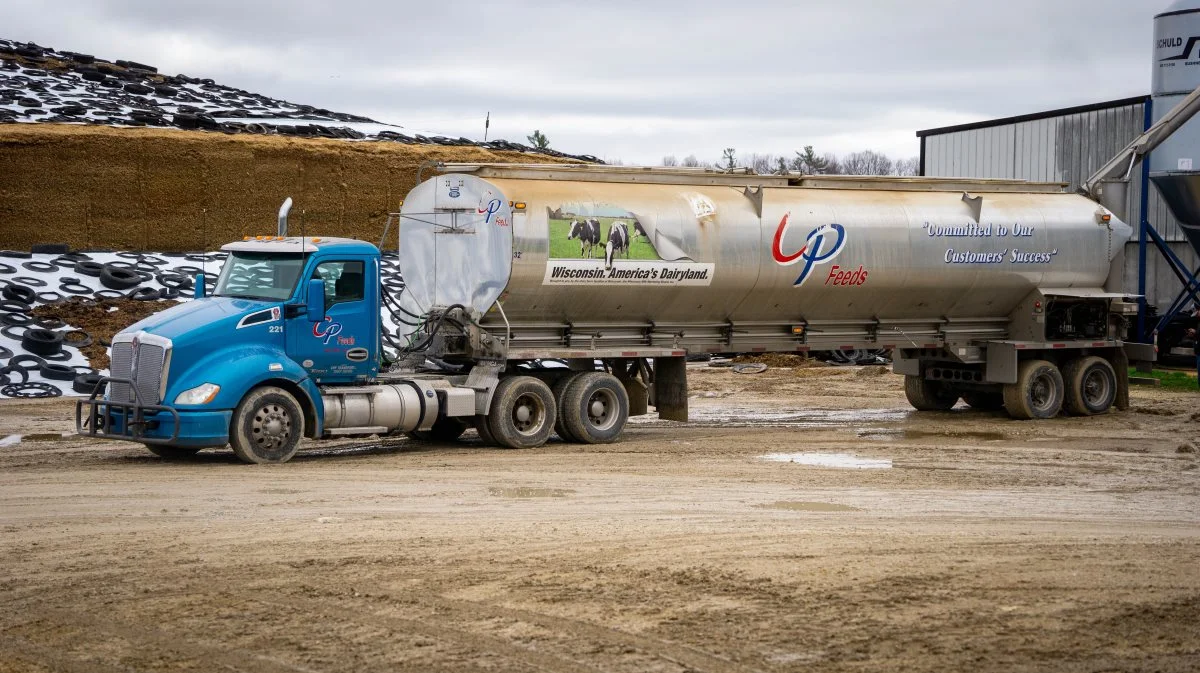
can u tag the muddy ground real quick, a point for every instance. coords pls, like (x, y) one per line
(989, 545)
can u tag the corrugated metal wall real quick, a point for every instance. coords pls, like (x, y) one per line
(1066, 148)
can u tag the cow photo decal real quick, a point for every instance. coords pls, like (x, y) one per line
(603, 244)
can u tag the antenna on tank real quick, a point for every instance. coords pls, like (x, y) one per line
(486, 123)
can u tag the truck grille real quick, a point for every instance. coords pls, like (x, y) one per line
(146, 364)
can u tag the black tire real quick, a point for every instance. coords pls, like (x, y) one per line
(24, 294)
(443, 430)
(7, 374)
(35, 363)
(1091, 386)
(172, 452)
(14, 306)
(57, 372)
(89, 268)
(42, 341)
(144, 294)
(926, 395)
(85, 384)
(117, 278)
(523, 413)
(1038, 392)
(984, 400)
(485, 434)
(597, 408)
(267, 426)
(560, 394)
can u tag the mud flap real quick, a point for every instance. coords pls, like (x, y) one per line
(670, 388)
(1120, 363)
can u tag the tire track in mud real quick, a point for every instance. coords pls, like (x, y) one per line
(685, 656)
(148, 638)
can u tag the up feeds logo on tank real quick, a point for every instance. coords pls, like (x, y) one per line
(821, 246)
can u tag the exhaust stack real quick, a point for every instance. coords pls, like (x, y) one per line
(283, 216)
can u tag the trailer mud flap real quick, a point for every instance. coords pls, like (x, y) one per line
(1120, 363)
(670, 388)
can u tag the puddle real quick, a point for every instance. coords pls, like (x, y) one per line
(741, 417)
(800, 506)
(10, 440)
(839, 460)
(529, 492)
(892, 435)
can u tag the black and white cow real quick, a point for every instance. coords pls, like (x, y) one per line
(618, 242)
(588, 233)
(639, 232)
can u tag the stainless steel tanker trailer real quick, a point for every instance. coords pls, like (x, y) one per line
(1005, 294)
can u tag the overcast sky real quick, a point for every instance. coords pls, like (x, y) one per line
(636, 79)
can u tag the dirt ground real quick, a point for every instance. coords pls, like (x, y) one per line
(989, 544)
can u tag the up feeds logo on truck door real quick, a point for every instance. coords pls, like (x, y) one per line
(822, 245)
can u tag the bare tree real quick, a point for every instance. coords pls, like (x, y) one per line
(670, 160)
(833, 165)
(690, 161)
(867, 162)
(908, 167)
(760, 163)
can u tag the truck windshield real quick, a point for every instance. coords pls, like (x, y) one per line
(259, 275)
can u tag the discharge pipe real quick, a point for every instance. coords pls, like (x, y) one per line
(283, 215)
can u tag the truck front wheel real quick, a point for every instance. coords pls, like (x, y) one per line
(267, 426)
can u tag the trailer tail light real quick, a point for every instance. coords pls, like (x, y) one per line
(798, 330)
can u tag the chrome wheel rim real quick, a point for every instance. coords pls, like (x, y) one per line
(601, 409)
(528, 414)
(271, 427)
(1096, 388)
(1041, 392)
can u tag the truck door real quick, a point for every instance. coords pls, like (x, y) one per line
(342, 347)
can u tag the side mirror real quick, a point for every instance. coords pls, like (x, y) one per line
(198, 288)
(314, 301)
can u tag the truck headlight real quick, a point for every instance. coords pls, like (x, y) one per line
(201, 394)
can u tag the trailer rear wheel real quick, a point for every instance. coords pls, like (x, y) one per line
(1091, 386)
(523, 413)
(172, 452)
(983, 400)
(1038, 392)
(926, 395)
(267, 426)
(596, 408)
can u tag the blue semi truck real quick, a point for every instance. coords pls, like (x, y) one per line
(528, 301)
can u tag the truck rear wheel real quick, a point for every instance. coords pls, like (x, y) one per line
(560, 395)
(596, 407)
(523, 413)
(1091, 386)
(926, 395)
(1038, 392)
(267, 426)
(481, 426)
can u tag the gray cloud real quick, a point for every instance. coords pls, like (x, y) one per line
(636, 80)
